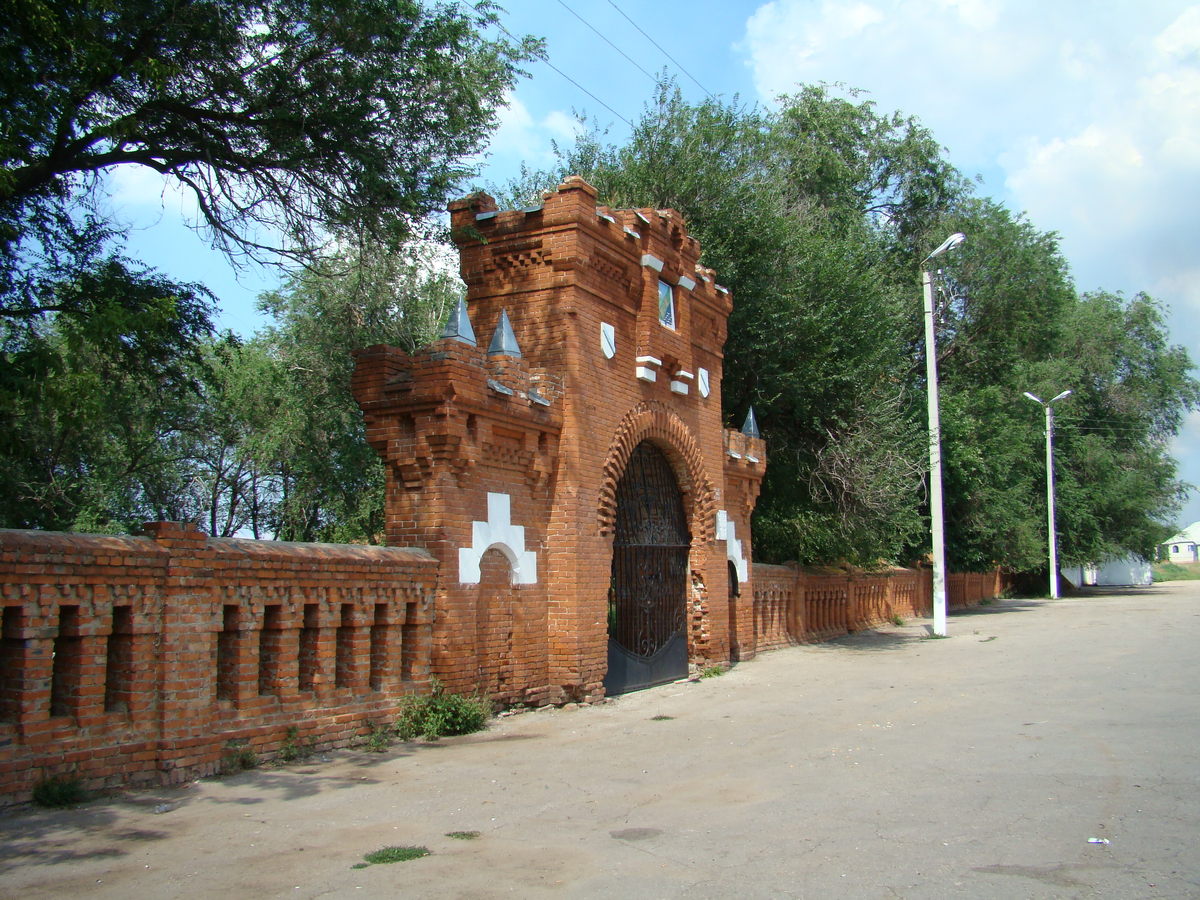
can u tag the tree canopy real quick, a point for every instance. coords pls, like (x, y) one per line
(817, 215)
(320, 132)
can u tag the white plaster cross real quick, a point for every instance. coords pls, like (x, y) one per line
(498, 533)
(727, 531)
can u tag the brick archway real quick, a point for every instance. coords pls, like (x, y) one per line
(655, 422)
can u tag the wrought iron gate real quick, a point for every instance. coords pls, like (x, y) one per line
(647, 602)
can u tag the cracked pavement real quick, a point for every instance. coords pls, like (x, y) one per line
(880, 765)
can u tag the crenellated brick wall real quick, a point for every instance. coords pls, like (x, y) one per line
(150, 658)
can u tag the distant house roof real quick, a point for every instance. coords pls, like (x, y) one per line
(1189, 535)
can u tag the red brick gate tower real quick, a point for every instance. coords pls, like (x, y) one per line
(598, 332)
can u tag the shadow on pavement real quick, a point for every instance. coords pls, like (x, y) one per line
(874, 641)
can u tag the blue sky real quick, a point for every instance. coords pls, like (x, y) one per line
(1085, 115)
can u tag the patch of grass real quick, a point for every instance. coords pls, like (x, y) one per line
(59, 792)
(462, 835)
(935, 637)
(713, 672)
(1169, 571)
(987, 601)
(661, 718)
(392, 855)
(442, 715)
(897, 620)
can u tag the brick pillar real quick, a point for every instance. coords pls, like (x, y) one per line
(186, 712)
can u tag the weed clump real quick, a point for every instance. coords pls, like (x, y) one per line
(462, 835)
(291, 749)
(441, 715)
(379, 738)
(241, 756)
(713, 672)
(897, 620)
(59, 792)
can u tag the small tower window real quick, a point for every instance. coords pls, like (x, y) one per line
(666, 305)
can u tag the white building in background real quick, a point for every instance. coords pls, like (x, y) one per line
(1182, 548)
(1128, 570)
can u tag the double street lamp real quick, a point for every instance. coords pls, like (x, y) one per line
(935, 441)
(1048, 406)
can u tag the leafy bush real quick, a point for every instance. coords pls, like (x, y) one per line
(441, 714)
(59, 792)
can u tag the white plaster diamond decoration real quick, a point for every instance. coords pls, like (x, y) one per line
(498, 533)
(608, 340)
(702, 382)
(727, 529)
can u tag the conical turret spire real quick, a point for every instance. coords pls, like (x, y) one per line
(458, 326)
(750, 429)
(504, 342)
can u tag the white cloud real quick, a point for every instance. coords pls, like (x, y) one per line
(1124, 189)
(138, 190)
(521, 137)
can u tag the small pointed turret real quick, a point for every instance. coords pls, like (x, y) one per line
(504, 342)
(750, 429)
(458, 326)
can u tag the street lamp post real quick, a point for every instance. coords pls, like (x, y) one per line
(1049, 408)
(938, 524)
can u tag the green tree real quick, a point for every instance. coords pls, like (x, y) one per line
(1011, 322)
(295, 125)
(802, 213)
(93, 407)
(288, 121)
(326, 483)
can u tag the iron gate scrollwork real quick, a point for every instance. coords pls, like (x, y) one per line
(648, 594)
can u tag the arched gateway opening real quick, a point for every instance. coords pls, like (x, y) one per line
(647, 603)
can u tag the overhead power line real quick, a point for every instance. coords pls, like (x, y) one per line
(572, 80)
(607, 41)
(664, 52)
(586, 91)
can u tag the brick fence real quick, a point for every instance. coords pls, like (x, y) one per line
(797, 605)
(154, 658)
(158, 658)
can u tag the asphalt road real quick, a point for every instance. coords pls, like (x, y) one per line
(882, 765)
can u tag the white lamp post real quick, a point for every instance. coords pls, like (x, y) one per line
(1049, 407)
(935, 442)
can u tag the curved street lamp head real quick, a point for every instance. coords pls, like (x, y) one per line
(947, 245)
(1060, 396)
(1031, 397)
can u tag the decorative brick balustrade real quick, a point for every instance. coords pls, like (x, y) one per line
(795, 605)
(150, 658)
